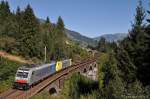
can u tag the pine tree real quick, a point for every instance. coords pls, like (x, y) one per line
(102, 45)
(136, 35)
(4, 17)
(18, 19)
(60, 40)
(113, 83)
(138, 22)
(47, 20)
(125, 65)
(60, 24)
(131, 53)
(30, 37)
(4, 9)
(145, 68)
(139, 46)
(48, 38)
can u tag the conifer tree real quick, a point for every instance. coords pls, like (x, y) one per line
(47, 20)
(102, 44)
(138, 22)
(4, 17)
(60, 40)
(125, 65)
(131, 53)
(18, 19)
(48, 37)
(138, 43)
(30, 37)
(145, 66)
(60, 23)
(113, 83)
(4, 9)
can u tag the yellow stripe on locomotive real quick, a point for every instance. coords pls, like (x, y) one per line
(58, 65)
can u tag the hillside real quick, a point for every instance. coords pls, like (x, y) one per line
(80, 38)
(14, 58)
(75, 36)
(84, 40)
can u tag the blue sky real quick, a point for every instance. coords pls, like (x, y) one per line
(89, 17)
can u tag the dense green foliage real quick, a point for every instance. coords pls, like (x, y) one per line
(126, 73)
(124, 68)
(29, 37)
(7, 73)
(77, 85)
(136, 47)
(22, 33)
(104, 46)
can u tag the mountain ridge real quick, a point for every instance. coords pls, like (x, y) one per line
(76, 36)
(112, 37)
(85, 40)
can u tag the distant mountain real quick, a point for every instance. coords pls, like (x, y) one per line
(83, 40)
(77, 37)
(41, 20)
(112, 37)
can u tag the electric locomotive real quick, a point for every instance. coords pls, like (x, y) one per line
(29, 75)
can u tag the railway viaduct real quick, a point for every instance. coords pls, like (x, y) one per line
(88, 70)
(54, 83)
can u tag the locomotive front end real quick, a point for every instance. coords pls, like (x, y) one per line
(22, 79)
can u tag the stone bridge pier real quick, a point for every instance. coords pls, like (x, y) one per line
(89, 71)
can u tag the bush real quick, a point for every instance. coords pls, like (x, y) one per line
(7, 73)
(78, 85)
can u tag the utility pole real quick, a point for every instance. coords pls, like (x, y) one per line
(45, 55)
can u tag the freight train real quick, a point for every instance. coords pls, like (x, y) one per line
(29, 75)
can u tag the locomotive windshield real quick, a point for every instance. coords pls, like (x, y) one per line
(22, 74)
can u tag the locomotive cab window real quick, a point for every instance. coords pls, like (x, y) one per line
(22, 74)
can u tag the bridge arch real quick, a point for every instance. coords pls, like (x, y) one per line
(78, 72)
(52, 91)
(84, 71)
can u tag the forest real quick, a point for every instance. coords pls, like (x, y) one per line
(23, 34)
(123, 67)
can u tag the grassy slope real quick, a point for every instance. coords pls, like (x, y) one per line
(14, 58)
(7, 72)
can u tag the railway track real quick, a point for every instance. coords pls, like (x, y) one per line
(19, 94)
(11, 93)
